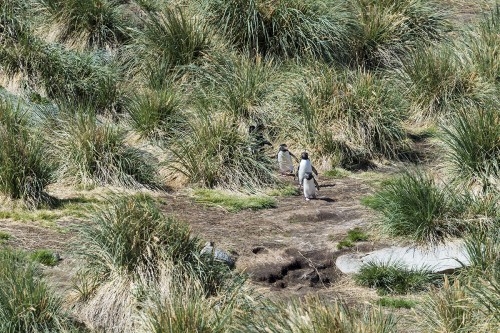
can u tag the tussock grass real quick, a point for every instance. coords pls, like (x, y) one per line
(483, 48)
(472, 140)
(155, 114)
(181, 305)
(397, 303)
(24, 168)
(98, 23)
(355, 115)
(394, 277)
(233, 203)
(448, 310)
(413, 206)
(214, 152)
(90, 152)
(315, 315)
(169, 40)
(26, 303)
(285, 29)
(238, 85)
(387, 30)
(438, 81)
(128, 249)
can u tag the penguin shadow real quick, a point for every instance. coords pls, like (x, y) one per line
(326, 199)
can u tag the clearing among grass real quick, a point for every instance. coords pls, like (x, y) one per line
(394, 277)
(232, 202)
(397, 303)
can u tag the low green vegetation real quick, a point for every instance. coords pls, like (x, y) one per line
(397, 303)
(4, 237)
(336, 173)
(353, 236)
(44, 257)
(393, 277)
(232, 202)
(285, 191)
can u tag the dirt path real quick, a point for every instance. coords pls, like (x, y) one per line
(290, 249)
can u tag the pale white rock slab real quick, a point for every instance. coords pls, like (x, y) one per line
(439, 259)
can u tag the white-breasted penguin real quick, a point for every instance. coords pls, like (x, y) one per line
(309, 186)
(305, 166)
(285, 162)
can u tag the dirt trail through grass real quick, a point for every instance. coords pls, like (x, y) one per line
(290, 249)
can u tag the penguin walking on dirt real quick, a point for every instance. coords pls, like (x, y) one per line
(285, 162)
(310, 186)
(305, 166)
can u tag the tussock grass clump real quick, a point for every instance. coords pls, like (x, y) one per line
(388, 30)
(438, 82)
(79, 78)
(129, 249)
(394, 277)
(483, 46)
(169, 39)
(183, 306)
(155, 114)
(356, 115)
(450, 310)
(234, 203)
(131, 234)
(286, 29)
(239, 85)
(213, 152)
(24, 168)
(90, 152)
(413, 206)
(26, 303)
(98, 23)
(473, 142)
(315, 315)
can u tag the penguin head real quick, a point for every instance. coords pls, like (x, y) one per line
(283, 147)
(304, 156)
(308, 175)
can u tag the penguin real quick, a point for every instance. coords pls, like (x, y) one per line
(305, 166)
(309, 186)
(285, 160)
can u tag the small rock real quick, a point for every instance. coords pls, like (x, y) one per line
(217, 254)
